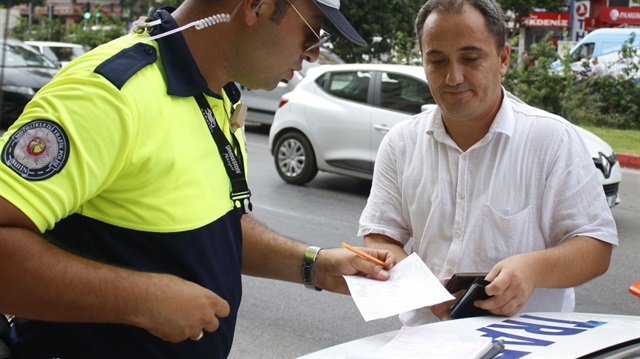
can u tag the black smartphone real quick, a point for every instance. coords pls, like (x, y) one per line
(462, 280)
(464, 307)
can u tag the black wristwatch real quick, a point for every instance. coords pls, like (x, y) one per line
(310, 256)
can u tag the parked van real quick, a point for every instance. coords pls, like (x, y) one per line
(597, 43)
(614, 65)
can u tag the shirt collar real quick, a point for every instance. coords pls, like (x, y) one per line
(504, 122)
(182, 73)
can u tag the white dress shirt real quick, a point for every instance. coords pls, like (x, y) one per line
(529, 184)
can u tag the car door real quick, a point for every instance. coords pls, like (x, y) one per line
(396, 97)
(340, 119)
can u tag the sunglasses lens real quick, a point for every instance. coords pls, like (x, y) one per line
(323, 38)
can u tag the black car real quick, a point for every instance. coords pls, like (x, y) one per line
(23, 72)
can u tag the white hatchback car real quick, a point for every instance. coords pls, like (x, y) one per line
(58, 52)
(335, 119)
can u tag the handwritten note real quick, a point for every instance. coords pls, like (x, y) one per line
(411, 285)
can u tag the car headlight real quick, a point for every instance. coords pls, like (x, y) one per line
(19, 89)
(604, 163)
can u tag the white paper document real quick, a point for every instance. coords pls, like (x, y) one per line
(411, 285)
(426, 342)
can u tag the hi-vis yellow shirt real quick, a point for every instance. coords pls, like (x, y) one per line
(134, 158)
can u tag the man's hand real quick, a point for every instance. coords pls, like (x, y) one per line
(177, 310)
(511, 286)
(333, 263)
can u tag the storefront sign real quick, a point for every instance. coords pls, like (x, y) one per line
(547, 19)
(581, 11)
(620, 15)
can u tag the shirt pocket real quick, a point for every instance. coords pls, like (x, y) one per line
(503, 236)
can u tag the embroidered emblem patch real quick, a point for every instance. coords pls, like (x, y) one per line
(37, 150)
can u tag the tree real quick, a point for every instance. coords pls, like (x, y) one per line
(55, 30)
(387, 26)
(7, 4)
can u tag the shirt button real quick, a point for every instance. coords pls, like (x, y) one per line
(461, 195)
(456, 233)
(449, 271)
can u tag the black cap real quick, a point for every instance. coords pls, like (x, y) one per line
(331, 9)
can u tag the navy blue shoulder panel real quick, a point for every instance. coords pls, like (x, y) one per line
(120, 67)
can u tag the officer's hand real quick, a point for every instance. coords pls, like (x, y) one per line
(333, 263)
(175, 309)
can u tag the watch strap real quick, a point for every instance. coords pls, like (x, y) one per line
(310, 256)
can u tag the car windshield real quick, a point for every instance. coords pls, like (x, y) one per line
(19, 56)
(67, 53)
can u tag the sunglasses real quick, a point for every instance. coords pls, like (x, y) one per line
(321, 39)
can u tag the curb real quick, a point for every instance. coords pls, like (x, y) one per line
(629, 161)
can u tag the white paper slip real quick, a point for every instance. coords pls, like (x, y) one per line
(426, 342)
(411, 285)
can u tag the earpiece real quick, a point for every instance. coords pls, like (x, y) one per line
(140, 25)
(212, 20)
(256, 8)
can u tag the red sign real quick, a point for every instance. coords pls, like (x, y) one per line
(547, 19)
(582, 9)
(591, 23)
(620, 15)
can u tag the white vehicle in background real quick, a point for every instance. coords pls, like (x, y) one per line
(614, 65)
(336, 117)
(604, 44)
(58, 52)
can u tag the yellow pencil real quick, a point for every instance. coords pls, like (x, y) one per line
(363, 255)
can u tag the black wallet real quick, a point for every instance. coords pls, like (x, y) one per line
(462, 280)
(464, 307)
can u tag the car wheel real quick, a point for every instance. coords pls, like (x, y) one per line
(294, 159)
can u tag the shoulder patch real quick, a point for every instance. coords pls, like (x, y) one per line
(37, 150)
(120, 67)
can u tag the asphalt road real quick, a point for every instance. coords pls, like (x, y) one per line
(285, 320)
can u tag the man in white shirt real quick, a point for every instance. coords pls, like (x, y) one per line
(485, 183)
(597, 69)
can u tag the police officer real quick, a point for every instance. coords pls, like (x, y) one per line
(123, 199)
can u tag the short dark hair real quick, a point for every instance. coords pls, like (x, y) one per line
(280, 9)
(490, 10)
